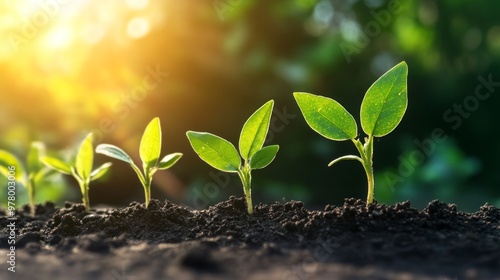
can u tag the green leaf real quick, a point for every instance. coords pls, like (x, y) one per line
(117, 153)
(37, 150)
(169, 160)
(326, 116)
(150, 146)
(85, 157)
(7, 159)
(56, 164)
(113, 152)
(215, 151)
(254, 130)
(264, 157)
(100, 171)
(385, 102)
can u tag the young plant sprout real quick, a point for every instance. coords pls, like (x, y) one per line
(29, 177)
(382, 108)
(149, 150)
(81, 168)
(222, 155)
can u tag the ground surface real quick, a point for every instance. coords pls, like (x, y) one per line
(279, 241)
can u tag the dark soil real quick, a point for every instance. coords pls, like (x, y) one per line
(279, 241)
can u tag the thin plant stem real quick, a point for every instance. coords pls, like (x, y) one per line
(85, 194)
(366, 153)
(31, 194)
(348, 157)
(369, 169)
(147, 190)
(146, 182)
(246, 180)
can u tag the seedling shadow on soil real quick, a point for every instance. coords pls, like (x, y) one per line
(278, 241)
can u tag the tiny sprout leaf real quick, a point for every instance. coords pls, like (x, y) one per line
(264, 157)
(214, 150)
(326, 116)
(6, 160)
(385, 102)
(57, 164)
(149, 150)
(37, 150)
(150, 146)
(169, 160)
(100, 171)
(114, 152)
(255, 130)
(85, 157)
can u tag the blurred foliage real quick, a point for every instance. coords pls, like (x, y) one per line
(444, 175)
(72, 67)
(50, 188)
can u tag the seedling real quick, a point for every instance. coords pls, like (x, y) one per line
(222, 155)
(149, 150)
(81, 168)
(382, 109)
(29, 177)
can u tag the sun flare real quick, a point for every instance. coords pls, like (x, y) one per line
(71, 51)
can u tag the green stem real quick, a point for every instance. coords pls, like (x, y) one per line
(31, 194)
(145, 181)
(348, 157)
(366, 152)
(369, 170)
(85, 194)
(147, 190)
(246, 180)
(147, 195)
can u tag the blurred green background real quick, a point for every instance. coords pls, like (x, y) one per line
(70, 67)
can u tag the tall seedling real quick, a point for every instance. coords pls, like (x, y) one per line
(149, 150)
(222, 155)
(382, 109)
(81, 168)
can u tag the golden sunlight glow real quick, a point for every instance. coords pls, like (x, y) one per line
(74, 53)
(92, 33)
(137, 4)
(137, 27)
(59, 37)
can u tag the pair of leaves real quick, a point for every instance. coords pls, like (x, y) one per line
(35, 170)
(149, 150)
(81, 169)
(383, 107)
(222, 155)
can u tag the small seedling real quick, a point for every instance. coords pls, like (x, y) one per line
(382, 109)
(81, 168)
(29, 177)
(149, 150)
(222, 155)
